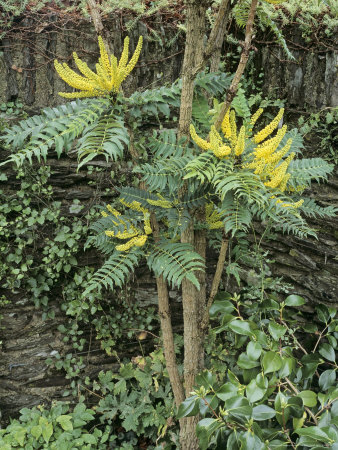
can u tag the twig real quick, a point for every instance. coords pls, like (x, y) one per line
(241, 65)
(296, 391)
(216, 281)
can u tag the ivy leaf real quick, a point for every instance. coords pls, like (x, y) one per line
(66, 422)
(240, 327)
(47, 431)
(226, 391)
(189, 407)
(245, 362)
(254, 392)
(238, 407)
(36, 431)
(315, 433)
(272, 362)
(309, 398)
(294, 300)
(263, 412)
(204, 429)
(327, 379)
(327, 352)
(89, 438)
(19, 435)
(254, 350)
(277, 331)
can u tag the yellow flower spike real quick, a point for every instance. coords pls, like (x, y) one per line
(108, 77)
(265, 132)
(256, 116)
(105, 82)
(276, 157)
(135, 57)
(201, 143)
(298, 204)
(85, 70)
(125, 53)
(226, 128)
(137, 241)
(240, 144)
(104, 55)
(273, 143)
(284, 182)
(213, 217)
(162, 202)
(222, 151)
(72, 78)
(233, 127)
(147, 226)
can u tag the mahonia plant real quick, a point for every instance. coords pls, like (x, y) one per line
(109, 73)
(266, 158)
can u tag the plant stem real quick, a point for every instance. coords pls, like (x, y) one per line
(241, 65)
(215, 282)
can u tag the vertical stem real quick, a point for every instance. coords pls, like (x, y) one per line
(167, 331)
(163, 305)
(95, 14)
(193, 56)
(219, 38)
(241, 65)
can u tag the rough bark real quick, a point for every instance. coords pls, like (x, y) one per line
(222, 19)
(193, 352)
(167, 331)
(193, 57)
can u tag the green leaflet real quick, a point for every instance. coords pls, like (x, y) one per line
(175, 261)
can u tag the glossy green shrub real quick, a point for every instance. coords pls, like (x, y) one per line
(277, 389)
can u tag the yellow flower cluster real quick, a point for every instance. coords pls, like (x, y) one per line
(109, 73)
(290, 205)
(266, 159)
(216, 144)
(278, 175)
(212, 217)
(162, 202)
(261, 135)
(256, 116)
(130, 232)
(201, 143)
(138, 241)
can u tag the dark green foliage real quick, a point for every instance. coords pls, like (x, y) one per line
(303, 171)
(175, 261)
(106, 137)
(114, 271)
(57, 127)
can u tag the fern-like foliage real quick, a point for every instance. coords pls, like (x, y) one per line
(243, 184)
(164, 175)
(106, 137)
(235, 214)
(114, 271)
(175, 261)
(132, 194)
(215, 83)
(165, 144)
(303, 171)
(311, 209)
(241, 14)
(57, 127)
(203, 167)
(153, 102)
